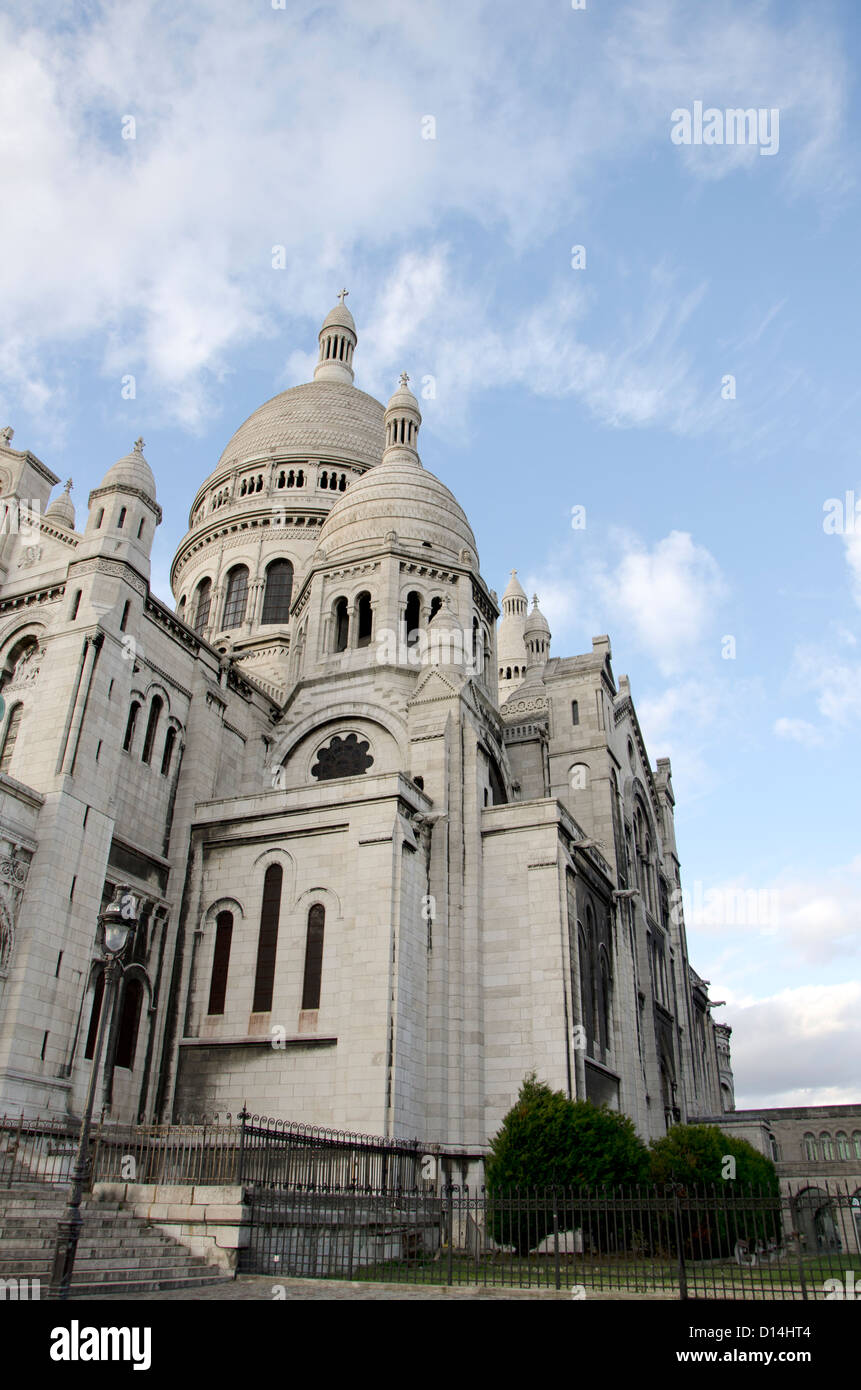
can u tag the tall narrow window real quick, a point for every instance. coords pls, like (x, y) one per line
(152, 728)
(313, 957)
(141, 526)
(267, 943)
(130, 726)
(342, 625)
(412, 617)
(236, 596)
(167, 755)
(124, 619)
(202, 604)
(127, 1034)
(10, 738)
(220, 962)
(100, 518)
(95, 1015)
(76, 603)
(122, 519)
(366, 620)
(575, 712)
(279, 590)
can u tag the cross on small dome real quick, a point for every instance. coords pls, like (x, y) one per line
(139, 444)
(343, 295)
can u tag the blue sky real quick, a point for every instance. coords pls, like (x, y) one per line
(553, 386)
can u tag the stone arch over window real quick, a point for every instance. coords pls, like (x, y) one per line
(842, 1140)
(131, 723)
(202, 604)
(20, 661)
(856, 1143)
(603, 990)
(236, 596)
(341, 624)
(809, 1145)
(170, 740)
(345, 755)
(826, 1144)
(278, 592)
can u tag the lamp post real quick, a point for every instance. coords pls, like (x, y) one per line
(118, 924)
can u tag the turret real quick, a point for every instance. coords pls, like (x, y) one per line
(124, 512)
(403, 420)
(337, 340)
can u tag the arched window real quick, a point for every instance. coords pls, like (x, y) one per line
(155, 710)
(100, 518)
(603, 984)
(95, 1014)
(342, 625)
(202, 604)
(10, 737)
(587, 1013)
(122, 519)
(167, 755)
(181, 609)
(313, 957)
(412, 617)
(220, 962)
(130, 726)
(365, 619)
(141, 526)
(575, 712)
(236, 596)
(278, 592)
(810, 1148)
(436, 605)
(267, 942)
(127, 1033)
(826, 1144)
(76, 603)
(324, 480)
(856, 1143)
(842, 1146)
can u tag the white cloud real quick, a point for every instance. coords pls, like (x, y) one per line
(799, 1046)
(799, 731)
(261, 128)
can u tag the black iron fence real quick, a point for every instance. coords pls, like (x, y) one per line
(676, 1242)
(224, 1150)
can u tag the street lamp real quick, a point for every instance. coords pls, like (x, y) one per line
(118, 924)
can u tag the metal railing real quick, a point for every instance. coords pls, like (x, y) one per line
(676, 1242)
(222, 1150)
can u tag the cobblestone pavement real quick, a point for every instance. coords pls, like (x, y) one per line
(260, 1288)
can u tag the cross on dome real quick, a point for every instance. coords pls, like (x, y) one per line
(139, 444)
(404, 379)
(343, 295)
(68, 485)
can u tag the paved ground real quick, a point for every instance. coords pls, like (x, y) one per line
(260, 1288)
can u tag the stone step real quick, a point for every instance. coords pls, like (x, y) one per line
(93, 1273)
(143, 1286)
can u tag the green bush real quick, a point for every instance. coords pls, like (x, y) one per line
(550, 1142)
(743, 1207)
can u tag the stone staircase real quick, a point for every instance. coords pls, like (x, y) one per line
(117, 1253)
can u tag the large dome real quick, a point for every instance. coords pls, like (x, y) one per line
(322, 419)
(401, 496)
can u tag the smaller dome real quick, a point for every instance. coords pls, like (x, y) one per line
(536, 622)
(132, 471)
(62, 509)
(403, 399)
(339, 317)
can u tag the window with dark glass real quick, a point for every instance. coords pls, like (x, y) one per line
(220, 962)
(127, 1033)
(342, 625)
(267, 942)
(366, 620)
(10, 737)
(343, 757)
(95, 1015)
(202, 604)
(130, 726)
(412, 617)
(236, 596)
(167, 754)
(313, 957)
(278, 592)
(152, 728)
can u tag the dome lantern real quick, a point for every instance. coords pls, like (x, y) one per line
(403, 419)
(337, 340)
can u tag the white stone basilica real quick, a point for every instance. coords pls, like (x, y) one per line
(389, 859)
